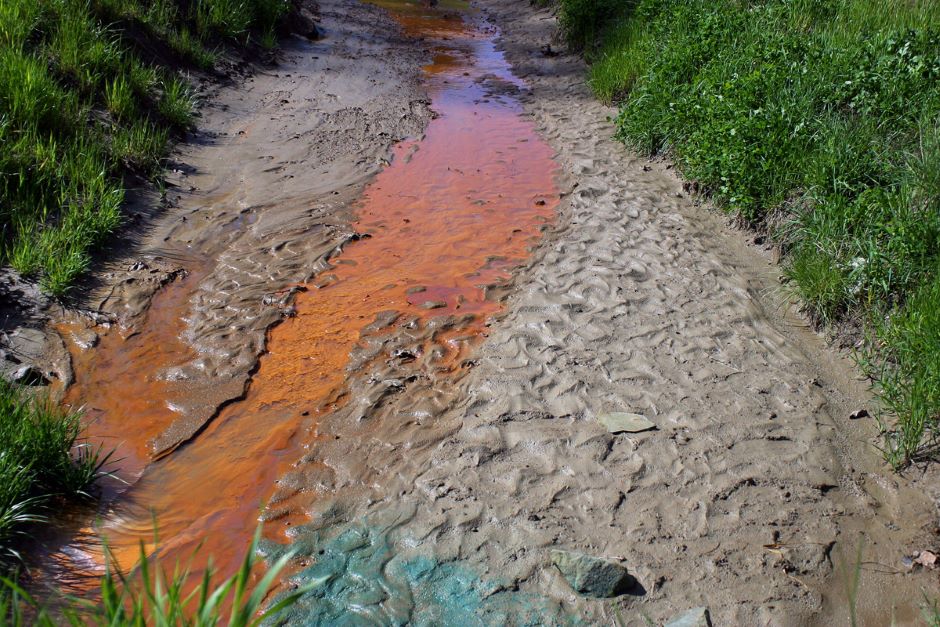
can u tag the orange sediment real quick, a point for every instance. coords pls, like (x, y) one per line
(452, 214)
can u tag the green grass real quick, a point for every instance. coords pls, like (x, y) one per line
(152, 595)
(583, 21)
(930, 611)
(41, 458)
(85, 100)
(819, 122)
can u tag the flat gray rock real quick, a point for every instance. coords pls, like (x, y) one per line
(592, 576)
(697, 617)
(625, 422)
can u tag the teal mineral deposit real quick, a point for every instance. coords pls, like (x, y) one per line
(359, 577)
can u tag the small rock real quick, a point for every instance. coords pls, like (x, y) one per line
(29, 375)
(625, 422)
(85, 339)
(927, 559)
(697, 617)
(592, 576)
(433, 304)
(405, 355)
(861, 413)
(303, 22)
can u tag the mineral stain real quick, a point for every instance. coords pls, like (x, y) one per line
(362, 577)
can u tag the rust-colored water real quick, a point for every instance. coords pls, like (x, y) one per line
(125, 402)
(454, 211)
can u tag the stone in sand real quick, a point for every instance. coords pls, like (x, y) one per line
(85, 339)
(592, 576)
(625, 422)
(697, 617)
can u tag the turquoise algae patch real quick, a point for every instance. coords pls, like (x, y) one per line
(358, 579)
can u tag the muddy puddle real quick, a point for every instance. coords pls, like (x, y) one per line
(439, 231)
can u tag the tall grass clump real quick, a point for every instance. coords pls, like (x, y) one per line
(85, 102)
(41, 459)
(819, 122)
(154, 595)
(584, 21)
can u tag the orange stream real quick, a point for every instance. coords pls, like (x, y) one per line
(454, 212)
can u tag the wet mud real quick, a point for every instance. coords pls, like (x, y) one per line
(450, 216)
(436, 233)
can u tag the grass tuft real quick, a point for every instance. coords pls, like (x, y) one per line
(177, 102)
(41, 457)
(119, 97)
(152, 595)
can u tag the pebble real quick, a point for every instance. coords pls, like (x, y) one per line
(625, 422)
(592, 576)
(697, 617)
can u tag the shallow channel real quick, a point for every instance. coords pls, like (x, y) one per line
(449, 218)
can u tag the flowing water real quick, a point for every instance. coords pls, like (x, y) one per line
(450, 217)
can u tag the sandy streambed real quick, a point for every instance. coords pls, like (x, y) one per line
(441, 325)
(405, 289)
